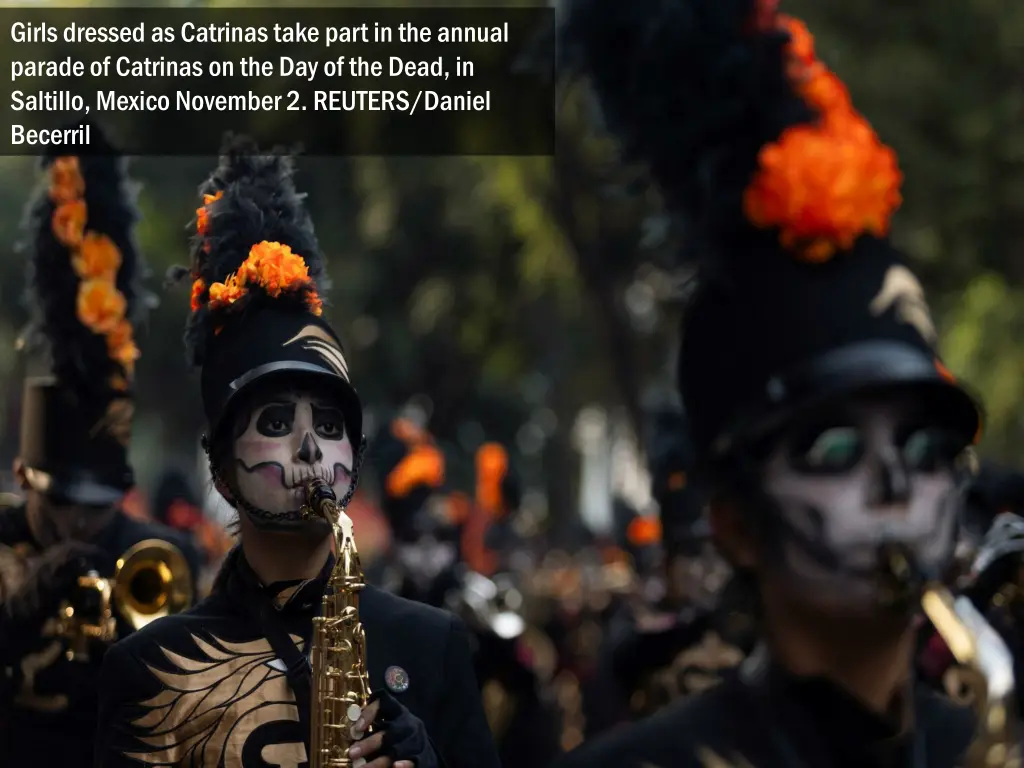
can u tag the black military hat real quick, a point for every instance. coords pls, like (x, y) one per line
(84, 297)
(258, 279)
(785, 193)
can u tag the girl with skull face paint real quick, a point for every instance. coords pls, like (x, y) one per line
(825, 425)
(228, 684)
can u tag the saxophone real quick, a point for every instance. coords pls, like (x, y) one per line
(987, 670)
(341, 683)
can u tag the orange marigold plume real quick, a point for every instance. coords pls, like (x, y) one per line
(101, 307)
(69, 223)
(98, 258)
(272, 266)
(491, 468)
(644, 531)
(66, 182)
(423, 466)
(227, 293)
(198, 286)
(823, 184)
(202, 217)
(275, 267)
(121, 346)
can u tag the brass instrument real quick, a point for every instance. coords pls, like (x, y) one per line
(987, 670)
(341, 682)
(152, 580)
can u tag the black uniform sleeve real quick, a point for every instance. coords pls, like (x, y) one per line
(119, 687)
(464, 740)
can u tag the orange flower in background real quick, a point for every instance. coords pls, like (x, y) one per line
(644, 531)
(121, 346)
(198, 286)
(100, 306)
(823, 184)
(315, 304)
(66, 182)
(68, 223)
(202, 217)
(97, 258)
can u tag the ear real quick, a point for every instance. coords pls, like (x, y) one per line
(18, 467)
(732, 535)
(222, 489)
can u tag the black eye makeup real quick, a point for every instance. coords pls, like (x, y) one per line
(276, 420)
(929, 449)
(828, 450)
(329, 423)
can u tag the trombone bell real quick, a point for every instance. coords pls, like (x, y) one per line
(152, 580)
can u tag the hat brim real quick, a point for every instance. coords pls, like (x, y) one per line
(291, 370)
(859, 369)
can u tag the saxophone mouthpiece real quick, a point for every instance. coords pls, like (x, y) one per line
(317, 493)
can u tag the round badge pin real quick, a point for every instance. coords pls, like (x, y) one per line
(396, 679)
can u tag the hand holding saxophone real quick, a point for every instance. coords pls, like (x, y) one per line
(399, 739)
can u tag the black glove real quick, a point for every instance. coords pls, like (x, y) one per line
(49, 580)
(405, 736)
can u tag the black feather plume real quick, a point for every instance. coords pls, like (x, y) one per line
(691, 88)
(79, 357)
(258, 202)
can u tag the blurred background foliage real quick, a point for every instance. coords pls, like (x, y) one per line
(505, 295)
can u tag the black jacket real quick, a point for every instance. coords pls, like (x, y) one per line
(47, 702)
(779, 721)
(206, 687)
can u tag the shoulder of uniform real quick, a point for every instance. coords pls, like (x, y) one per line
(386, 607)
(675, 737)
(166, 633)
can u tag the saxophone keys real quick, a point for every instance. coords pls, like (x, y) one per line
(353, 712)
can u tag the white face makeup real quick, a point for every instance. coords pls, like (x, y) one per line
(870, 476)
(290, 439)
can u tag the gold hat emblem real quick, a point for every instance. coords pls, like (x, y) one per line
(316, 339)
(117, 421)
(902, 290)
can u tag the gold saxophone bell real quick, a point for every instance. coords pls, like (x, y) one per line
(152, 580)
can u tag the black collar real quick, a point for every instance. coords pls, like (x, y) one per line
(288, 597)
(813, 714)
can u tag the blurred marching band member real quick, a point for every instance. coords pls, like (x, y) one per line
(85, 297)
(422, 557)
(675, 642)
(825, 427)
(423, 564)
(229, 683)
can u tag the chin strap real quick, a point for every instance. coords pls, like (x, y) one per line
(238, 502)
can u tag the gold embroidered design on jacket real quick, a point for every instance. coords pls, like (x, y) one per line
(209, 707)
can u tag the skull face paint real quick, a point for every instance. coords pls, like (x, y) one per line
(288, 440)
(847, 484)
